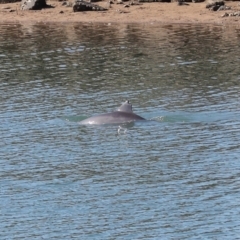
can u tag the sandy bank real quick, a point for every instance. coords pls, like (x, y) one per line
(145, 13)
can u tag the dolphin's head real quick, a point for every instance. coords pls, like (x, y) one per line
(125, 107)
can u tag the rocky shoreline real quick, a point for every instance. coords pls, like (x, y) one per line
(142, 11)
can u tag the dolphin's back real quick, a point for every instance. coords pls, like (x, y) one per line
(113, 118)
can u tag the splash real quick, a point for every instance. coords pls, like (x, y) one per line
(121, 130)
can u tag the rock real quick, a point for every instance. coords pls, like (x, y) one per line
(121, 11)
(154, 0)
(33, 4)
(217, 5)
(9, 1)
(80, 6)
(214, 8)
(232, 14)
(236, 14)
(225, 15)
(119, 2)
(181, 3)
(212, 3)
(221, 8)
(67, 4)
(134, 3)
(197, 1)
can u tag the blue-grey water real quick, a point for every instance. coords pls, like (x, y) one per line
(177, 177)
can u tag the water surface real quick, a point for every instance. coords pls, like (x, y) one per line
(174, 178)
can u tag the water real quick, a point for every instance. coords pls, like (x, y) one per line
(177, 177)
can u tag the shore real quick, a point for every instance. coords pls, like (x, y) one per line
(156, 12)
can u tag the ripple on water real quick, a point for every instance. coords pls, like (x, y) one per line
(175, 177)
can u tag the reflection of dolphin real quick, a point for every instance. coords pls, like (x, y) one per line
(123, 114)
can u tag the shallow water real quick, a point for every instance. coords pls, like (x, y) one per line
(176, 177)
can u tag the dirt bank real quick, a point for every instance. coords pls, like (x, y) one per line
(144, 13)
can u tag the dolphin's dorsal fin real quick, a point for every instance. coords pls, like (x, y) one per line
(125, 107)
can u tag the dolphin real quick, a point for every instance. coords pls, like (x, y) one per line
(123, 114)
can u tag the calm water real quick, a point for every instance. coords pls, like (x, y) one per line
(174, 178)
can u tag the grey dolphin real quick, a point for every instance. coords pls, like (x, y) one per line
(123, 114)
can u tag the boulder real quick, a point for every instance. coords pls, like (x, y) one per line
(80, 6)
(33, 4)
(197, 1)
(9, 1)
(214, 4)
(154, 1)
(182, 2)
